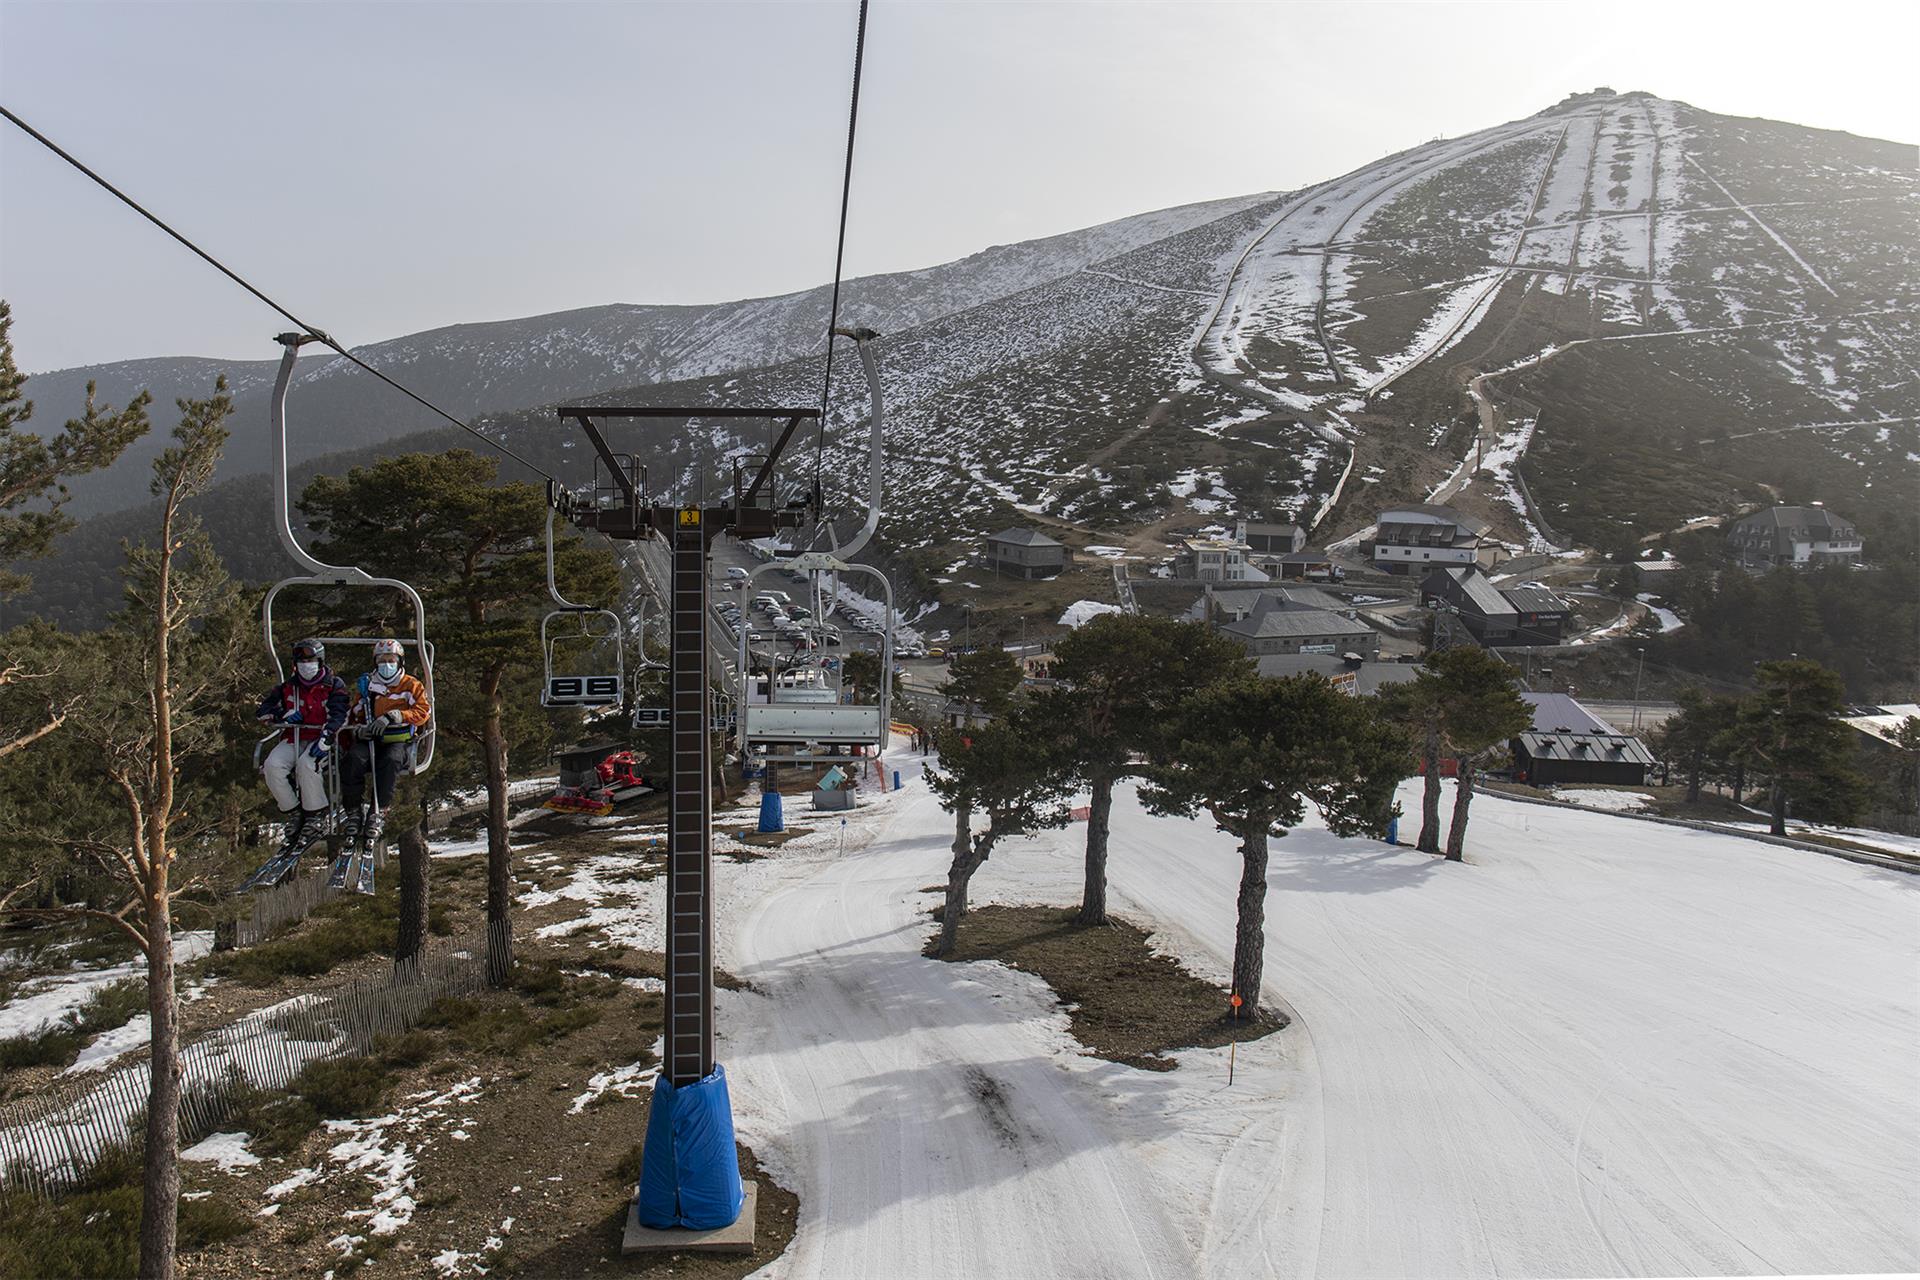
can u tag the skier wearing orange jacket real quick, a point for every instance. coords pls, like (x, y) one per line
(387, 710)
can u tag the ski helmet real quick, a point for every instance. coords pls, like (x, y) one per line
(309, 650)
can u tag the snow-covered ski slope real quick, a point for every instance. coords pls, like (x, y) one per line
(1757, 257)
(1359, 280)
(1598, 1048)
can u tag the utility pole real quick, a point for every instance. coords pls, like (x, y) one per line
(1641, 650)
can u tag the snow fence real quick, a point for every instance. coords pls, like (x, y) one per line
(49, 1141)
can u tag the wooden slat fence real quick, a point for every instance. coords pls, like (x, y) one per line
(49, 1140)
(270, 909)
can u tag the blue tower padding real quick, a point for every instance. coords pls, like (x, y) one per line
(1393, 830)
(771, 817)
(896, 779)
(689, 1168)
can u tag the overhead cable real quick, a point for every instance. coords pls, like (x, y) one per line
(840, 245)
(235, 276)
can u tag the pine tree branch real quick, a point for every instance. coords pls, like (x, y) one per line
(83, 913)
(8, 748)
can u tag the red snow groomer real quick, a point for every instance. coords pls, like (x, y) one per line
(593, 779)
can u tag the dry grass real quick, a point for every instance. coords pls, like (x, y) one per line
(1126, 1003)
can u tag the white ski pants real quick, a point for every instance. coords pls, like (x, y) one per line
(287, 767)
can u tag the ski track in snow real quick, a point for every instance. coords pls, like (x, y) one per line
(935, 1121)
(1590, 1050)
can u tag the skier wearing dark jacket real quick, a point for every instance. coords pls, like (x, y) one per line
(313, 706)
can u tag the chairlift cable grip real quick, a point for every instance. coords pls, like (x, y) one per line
(314, 332)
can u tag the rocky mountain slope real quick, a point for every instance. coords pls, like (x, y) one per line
(1590, 325)
(507, 364)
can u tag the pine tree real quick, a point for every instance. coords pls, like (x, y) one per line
(984, 681)
(476, 551)
(1462, 702)
(1122, 678)
(151, 719)
(32, 491)
(1000, 772)
(1252, 752)
(1788, 730)
(1484, 709)
(1905, 741)
(1696, 737)
(33, 470)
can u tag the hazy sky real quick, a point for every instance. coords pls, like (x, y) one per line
(389, 167)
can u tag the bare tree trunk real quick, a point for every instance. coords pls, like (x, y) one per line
(1777, 806)
(1430, 801)
(1250, 924)
(968, 853)
(1093, 894)
(160, 1187)
(1693, 781)
(413, 895)
(1462, 797)
(1739, 781)
(499, 870)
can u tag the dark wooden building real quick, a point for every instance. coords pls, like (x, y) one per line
(1543, 759)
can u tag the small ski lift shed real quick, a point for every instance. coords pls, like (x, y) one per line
(329, 575)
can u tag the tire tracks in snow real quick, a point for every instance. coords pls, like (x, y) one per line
(924, 1110)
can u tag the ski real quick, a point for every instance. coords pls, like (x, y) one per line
(337, 879)
(270, 872)
(369, 839)
(276, 869)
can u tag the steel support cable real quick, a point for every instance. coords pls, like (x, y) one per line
(298, 323)
(840, 246)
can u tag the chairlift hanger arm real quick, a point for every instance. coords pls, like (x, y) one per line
(283, 516)
(553, 585)
(876, 440)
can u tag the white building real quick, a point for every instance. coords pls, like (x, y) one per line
(1422, 536)
(1215, 560)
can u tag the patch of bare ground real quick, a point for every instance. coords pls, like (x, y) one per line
(1125, 1002)
(501, 1134)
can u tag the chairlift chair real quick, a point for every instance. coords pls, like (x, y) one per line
(597, 631)
(319, 574)
(804, 714)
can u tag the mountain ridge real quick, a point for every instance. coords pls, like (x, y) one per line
(1567, 323)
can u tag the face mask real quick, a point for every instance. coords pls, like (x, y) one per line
(307, 670)
(386, 670)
